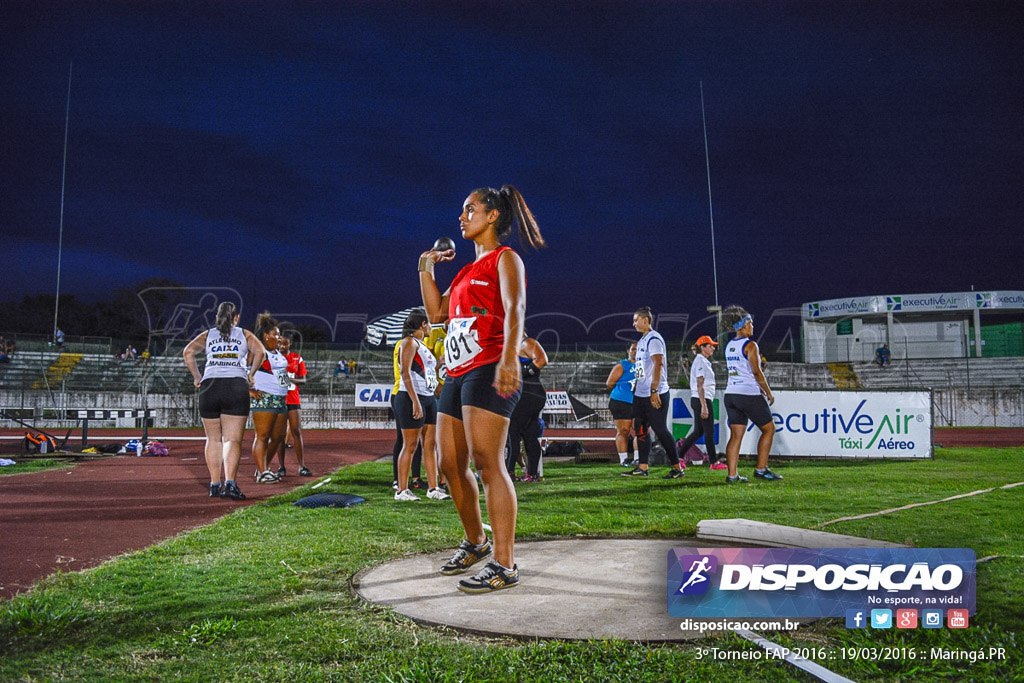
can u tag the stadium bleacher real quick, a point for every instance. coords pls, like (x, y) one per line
(96, 372)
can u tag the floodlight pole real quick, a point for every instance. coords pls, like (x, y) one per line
(711, 210)
(63, 175)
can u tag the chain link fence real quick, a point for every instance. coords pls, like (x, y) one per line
(968, 392)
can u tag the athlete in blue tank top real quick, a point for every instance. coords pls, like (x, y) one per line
(620, 382)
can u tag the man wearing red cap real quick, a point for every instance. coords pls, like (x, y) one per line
(702, 393)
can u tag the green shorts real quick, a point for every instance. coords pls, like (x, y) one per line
(268, 403)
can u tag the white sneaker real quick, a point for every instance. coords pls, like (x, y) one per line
(268, 477)
(406, 494)
(437, 494)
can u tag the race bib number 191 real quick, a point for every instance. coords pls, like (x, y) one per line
(460, 346)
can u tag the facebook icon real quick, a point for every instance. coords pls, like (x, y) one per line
(855, 618)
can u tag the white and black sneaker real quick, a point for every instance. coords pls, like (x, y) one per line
(267, 477)
(437, 494)
(406, 494)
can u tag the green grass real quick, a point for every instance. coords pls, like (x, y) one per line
(263, 594)
(32, 466)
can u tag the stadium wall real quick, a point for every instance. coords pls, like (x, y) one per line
(990, 407)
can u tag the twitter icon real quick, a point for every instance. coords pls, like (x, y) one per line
(881, 618)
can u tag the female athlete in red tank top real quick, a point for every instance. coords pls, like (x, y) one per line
(475, 306)
(485, 308)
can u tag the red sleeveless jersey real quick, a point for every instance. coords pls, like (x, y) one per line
(476, 316)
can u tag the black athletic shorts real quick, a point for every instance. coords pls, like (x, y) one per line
(403, 411)
(475, 389)
(743, 407)
(620, 409)
(293, 406)
(223, 396)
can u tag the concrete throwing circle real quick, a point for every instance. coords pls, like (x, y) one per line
(569, 589)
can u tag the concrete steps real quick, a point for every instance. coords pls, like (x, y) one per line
(61, 368)
(844, 376)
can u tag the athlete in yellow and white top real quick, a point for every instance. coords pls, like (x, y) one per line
(415, 404)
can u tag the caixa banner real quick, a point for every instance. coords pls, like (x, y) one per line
(847, 424)
(827, 582)
(373, 395)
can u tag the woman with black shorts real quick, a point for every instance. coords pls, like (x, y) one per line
(702, 397)
(485, 307)
(524, 423)
(747, 396)
(267, 399)
(232, 356)
(415, 406)
(620, 382)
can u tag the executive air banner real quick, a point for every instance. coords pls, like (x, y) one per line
(847, 424)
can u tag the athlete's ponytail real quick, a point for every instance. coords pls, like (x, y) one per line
(511, 209)
(226, 319)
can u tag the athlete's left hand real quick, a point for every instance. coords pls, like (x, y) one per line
(507, 377)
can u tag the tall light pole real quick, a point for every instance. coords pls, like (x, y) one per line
(63, 175)
(716, 309)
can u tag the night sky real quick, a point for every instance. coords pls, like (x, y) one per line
(304, 154)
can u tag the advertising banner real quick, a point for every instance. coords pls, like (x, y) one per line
(820, 582)
(680, 418)
(912, 303)
(846, 424)
(373, 395)
(558, 403)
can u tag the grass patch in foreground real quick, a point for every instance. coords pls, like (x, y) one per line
(32, 465)
(263, 593)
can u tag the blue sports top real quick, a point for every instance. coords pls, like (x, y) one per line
(623, 390)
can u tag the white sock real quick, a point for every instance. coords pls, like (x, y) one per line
(622, 458)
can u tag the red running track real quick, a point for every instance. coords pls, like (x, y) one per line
(78, 517)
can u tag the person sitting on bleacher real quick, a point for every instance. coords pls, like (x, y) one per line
(883, 355)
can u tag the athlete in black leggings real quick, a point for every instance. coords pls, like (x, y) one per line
(651, 397)
(524, 424)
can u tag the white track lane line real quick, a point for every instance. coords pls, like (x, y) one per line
(802, 663)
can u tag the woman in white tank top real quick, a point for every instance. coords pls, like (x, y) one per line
(415, 405)
(232, 357)
(747, 396)
(269, 411)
